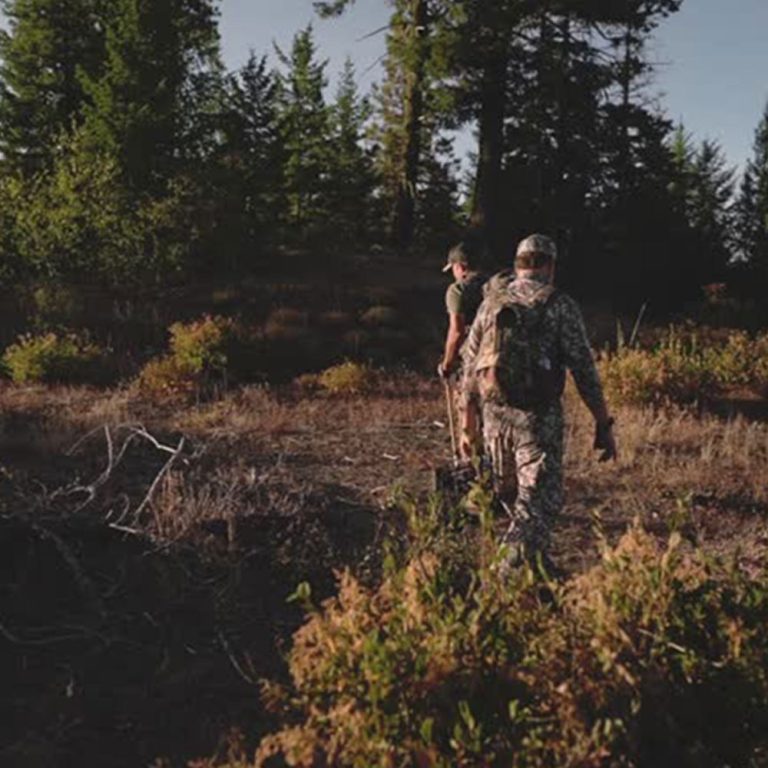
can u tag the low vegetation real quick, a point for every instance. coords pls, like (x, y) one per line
(199, 360)
(347, 378)
(685, 366)
(56, 358)
(647, 651)
(654, 656)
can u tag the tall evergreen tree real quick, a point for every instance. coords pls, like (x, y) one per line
(711, 213)
(243, 180)
(351, 176)
(752, 207)
(153, 47)
(404, 114)
(305, 128)
(701, 193)
(45, 48)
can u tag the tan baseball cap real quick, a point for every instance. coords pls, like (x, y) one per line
(459, 254)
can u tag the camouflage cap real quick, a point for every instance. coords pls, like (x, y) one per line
(459, 254)
(538, 244)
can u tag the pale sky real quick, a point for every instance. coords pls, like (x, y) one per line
(712, 56)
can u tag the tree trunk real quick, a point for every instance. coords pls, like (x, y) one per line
(413, 111)
(626, 105)
(487, 198)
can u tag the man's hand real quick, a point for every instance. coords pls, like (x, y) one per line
(469, 446)
(444, 371)
(605, 441)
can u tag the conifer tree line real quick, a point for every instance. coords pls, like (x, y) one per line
(129, 154)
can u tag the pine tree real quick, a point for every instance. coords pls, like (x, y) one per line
(752, 209)
(305, 135)
(701, 193)
(46, 47)
(153, 47)
(246, 180)
(351, 177)
(404, 114)
(711, 213)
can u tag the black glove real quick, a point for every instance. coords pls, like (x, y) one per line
(604, 440)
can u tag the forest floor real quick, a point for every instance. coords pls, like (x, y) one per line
(147, 553)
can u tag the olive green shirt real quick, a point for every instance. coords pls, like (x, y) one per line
(465, 296)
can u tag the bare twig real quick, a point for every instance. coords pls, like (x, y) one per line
(161, 474)
(238, 667)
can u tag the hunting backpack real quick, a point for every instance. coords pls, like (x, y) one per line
(512, 366)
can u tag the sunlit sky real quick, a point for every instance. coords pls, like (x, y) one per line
(712, 56)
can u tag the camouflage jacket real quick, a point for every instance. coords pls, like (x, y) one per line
(565, 335)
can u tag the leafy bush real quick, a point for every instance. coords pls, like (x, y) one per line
(165, 378)
(683, 367)
(202, 355)
(77, 219)
(203, 345)
(656, 656)
(56, 358)
(347, 378)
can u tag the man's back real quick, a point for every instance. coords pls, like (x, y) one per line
(562, 339)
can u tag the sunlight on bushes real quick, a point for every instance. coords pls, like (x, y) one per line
(656, 656)
(56, 358)
(685, 367)
(201, 353)
(347, 379)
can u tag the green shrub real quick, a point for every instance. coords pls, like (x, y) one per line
(203, 345)
(203, 354)
(686, 366)
(347, 378)
(165, 378)
(656, 656)
(56, 358)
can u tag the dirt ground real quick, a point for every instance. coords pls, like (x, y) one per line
(143, 596)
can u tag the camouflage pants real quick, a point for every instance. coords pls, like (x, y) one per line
(466, 408)
(526, 451)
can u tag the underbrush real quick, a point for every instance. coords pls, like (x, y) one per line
(53, 358)
(686, 366)
(204, 355)
(655, 656)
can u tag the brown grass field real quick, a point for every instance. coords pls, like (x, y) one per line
(140, 607)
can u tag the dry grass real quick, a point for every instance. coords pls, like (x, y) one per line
(288, 485)
(706, 471)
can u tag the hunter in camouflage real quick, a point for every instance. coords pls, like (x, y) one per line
(525, 440)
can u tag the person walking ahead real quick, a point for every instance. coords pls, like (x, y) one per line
(524, 337)
(462, 300)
